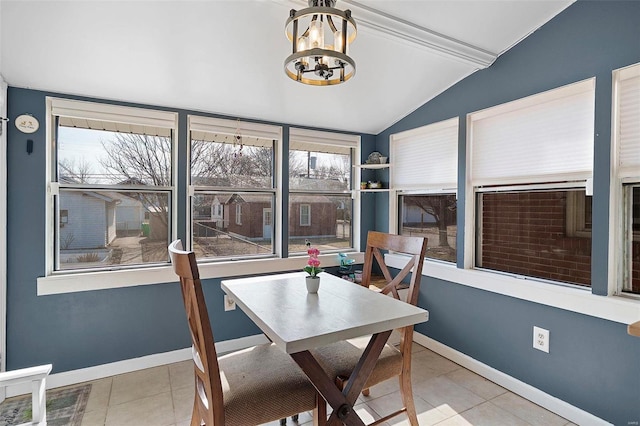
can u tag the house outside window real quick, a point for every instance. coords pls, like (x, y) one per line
(424, 182)
(115, 165)
(320, 187)
(531, 162)
(232, 169)
(626, 179)
(305, 214)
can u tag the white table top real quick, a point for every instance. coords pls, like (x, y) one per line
(296, 320)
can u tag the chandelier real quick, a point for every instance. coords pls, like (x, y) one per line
(319, 36)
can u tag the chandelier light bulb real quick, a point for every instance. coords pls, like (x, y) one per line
(303, 44)
(316, 34)
(337, 41)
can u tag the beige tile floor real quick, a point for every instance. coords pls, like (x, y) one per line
(445, 394)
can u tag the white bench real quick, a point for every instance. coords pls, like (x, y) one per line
(37, 376)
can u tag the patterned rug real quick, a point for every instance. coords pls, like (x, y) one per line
(65, 407)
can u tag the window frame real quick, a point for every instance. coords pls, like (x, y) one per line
(576, 224)
(64, 217)
(102, 111)
(620, 203)
(445, 186)
(307, 215)
(201, 123)
(238, 214)
(569, 187)
(342, 140)
(557, 180)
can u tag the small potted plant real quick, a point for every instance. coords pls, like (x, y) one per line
(313, 268)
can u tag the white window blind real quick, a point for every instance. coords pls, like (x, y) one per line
(426, 157)
(628, 121)
(317, 141)
(113, 118)
(224, 131)
(546, 137)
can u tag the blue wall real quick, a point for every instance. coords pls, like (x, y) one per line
(84, 329)
(593, 363)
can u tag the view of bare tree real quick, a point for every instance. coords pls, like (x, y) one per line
(441, 208)
(80, 172)
(136, 159)
(224, 164)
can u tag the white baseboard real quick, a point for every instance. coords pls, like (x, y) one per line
(127, 366)
(535, 395)
(516, 386)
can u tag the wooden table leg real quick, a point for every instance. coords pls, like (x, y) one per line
(342, 402)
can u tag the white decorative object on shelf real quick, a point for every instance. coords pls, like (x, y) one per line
(374, 158)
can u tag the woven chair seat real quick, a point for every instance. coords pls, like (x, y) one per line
(339, 359)
(248, 391)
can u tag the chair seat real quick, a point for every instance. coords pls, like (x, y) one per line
(339, 360)
(248, 391)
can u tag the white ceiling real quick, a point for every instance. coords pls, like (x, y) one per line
(227, 56)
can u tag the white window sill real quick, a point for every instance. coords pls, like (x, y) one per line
(612, 308)
(69, 283)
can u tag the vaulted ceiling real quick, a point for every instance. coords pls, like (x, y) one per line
(227, 56)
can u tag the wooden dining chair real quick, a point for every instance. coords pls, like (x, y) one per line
(340, 359)
(248, 387)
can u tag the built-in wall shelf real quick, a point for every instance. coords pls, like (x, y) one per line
(374, 190)
(372, 166)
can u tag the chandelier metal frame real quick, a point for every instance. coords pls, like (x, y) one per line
(320, 64)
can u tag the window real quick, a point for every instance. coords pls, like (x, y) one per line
(238, 211)
(578, 214)
(232, 174)
(114, 165)
(530, 164)
(626, 164)
(431, 216)
(632, 233)
(524, 232)
(424, 178)
(320, 184)
(217, 211)
(305, 214)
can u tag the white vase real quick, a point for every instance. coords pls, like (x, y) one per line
(313, 284)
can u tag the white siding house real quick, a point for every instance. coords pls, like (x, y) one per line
(87, 220)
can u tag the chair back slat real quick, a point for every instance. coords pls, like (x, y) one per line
(209, 401)
(415, 247)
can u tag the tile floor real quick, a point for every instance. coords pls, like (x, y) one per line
(445, 394)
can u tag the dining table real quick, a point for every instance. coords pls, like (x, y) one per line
(298, 321)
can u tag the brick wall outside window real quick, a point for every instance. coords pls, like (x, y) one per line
(525, 233)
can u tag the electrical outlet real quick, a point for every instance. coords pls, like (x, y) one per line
(541, 339)
(229, 303)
